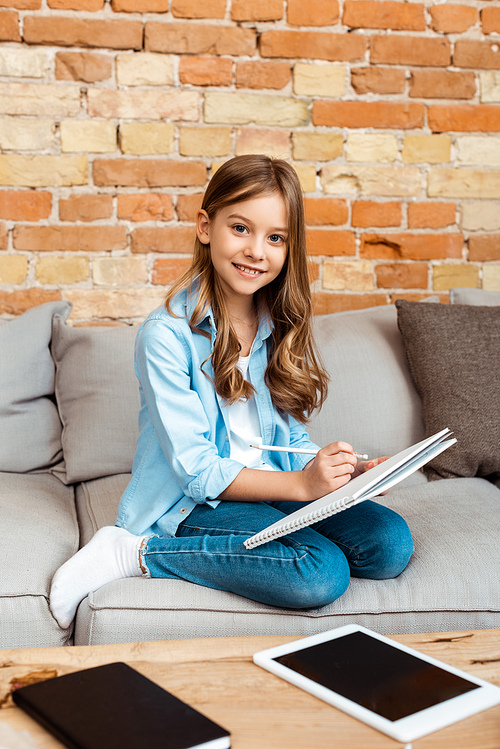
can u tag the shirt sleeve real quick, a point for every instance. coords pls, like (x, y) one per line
(185, 431)
(299, 437)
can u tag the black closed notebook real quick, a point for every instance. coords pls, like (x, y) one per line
(116, 707)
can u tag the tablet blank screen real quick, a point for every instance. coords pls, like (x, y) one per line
(375, 675)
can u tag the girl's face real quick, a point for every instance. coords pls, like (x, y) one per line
(248, 244)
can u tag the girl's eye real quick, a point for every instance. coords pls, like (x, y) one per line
(239, 228)
(276, 238)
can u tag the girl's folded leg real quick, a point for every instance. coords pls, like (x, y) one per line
(302, 570)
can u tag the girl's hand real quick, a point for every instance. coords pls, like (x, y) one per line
(331, 468)
(365, 465)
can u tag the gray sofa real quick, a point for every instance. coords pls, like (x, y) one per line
(68, 424)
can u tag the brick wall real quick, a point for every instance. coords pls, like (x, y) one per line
(113, 115)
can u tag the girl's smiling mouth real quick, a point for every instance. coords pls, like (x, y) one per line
(247, 270)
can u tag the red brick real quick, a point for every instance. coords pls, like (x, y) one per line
(17, 302)
(198, 39)
(168, 270)
(325, 304)
(331, 242)
(431, 215)
(82, 32)
(402, 275)
(146, 207)
(88, 5)
(263, 74)
(464, 118)
(314, 44)
(25, 205)
(367, 213)
(140, 6)
(378, 80)
(442, 84)
(453, 19)
(410, 50)
(148, 173)
(256, 10)
(411, 246)
(9, 26)
(4, 237)
(490, 20)
(21, 4)
(206, 71)
(312, 12)
(476, 54)
(368, 114)
(484, 247)
(326, 211)
(167, 239)
(85, 207)
(312, 271)
(384, 14)
(195, 9)
(82, 66)
(70, 238)
(188, 206)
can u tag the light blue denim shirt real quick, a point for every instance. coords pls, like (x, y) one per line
(182, 456)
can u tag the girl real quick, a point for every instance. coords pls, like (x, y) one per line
(227, 362)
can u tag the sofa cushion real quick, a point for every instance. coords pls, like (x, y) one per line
(372, 402)
(98, 399)
(446, 586)
(39, 533)
(475, 296)
(452, 352)
(30, 429)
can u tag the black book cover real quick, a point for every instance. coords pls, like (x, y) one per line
(116, 707)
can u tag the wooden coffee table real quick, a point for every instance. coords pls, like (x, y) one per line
(261, 711)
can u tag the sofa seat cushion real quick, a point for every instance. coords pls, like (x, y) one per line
(39, 533)
(451, 582)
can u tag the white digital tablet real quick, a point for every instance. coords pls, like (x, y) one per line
(393, 688)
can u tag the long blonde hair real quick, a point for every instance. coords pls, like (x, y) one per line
(294, 375)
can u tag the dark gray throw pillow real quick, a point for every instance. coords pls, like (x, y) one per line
(453, 352)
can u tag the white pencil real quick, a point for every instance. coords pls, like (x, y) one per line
(301, 450)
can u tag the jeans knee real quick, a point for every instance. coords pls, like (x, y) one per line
(391, 551)
(324, 581)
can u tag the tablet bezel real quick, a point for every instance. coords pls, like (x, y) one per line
(406, 729)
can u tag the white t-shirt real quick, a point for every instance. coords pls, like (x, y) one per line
(244, 428)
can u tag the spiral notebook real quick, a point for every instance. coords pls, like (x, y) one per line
(367, 485)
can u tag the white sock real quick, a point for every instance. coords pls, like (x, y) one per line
(113, 553)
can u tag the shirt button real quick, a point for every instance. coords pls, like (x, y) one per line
(183, 510)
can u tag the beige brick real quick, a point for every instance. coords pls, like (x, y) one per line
(490, 86)
(24, 62)
(491, 277)
(39, 99)
(307, 176)
(147, 138)
(13, 268)
(94, 136)
(43, 171)
(477, 150)
(243, 109)
(481, 215)
(33, 135)
(317, 146)
(62, 270)
(450, 276)
(428, 149)
(209, 141)
(380, 181)
(137, 104)
(262, 140)
(147, 69)
(319, 80)
(119, 271)
(371, 147)
(463, 183)
(353, 275)
(123, 304)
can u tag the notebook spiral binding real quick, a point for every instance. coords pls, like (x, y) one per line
(302, 522)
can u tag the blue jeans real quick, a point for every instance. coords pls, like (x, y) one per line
(306, 569)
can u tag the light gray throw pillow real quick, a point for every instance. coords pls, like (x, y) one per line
(30, 429)
(475, 296)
